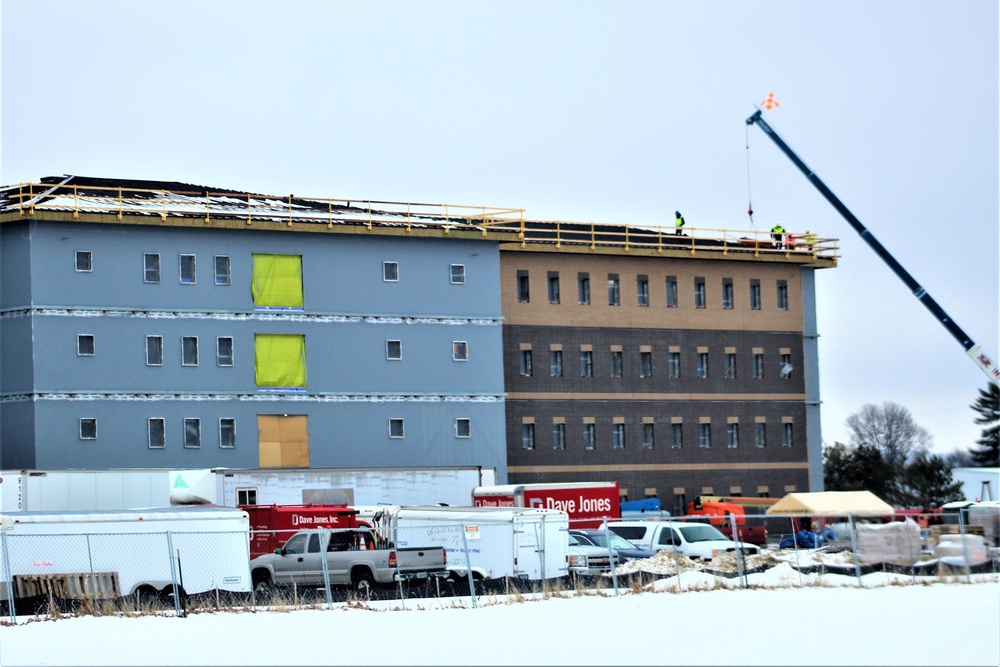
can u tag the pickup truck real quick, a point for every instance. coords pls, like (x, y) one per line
(355, 557)
(694, 540)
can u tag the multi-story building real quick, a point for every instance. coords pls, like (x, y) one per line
(676, 365)
(163, 325)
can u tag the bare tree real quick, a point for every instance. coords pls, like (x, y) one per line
(890, 429)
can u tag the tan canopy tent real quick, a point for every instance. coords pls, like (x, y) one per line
(832, 503)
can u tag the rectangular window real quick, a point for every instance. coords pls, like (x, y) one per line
(676, 436)
(227, 433)
(589, 436)
(88, 428)
(280, 361)
(732, 435)
(674, 365)
(459, 351)
(642, 290)
(759, 435)
(277, 281)
(222, 276)
(647, 436)
(394, 350)
(151, 267)
(699, 293)
(85, 345)
(559, 436)
(786, 367)
(154, 350)
(457, 274)
(555, 363)
(586, 364)
(84, 261)
(246, 497)
(786, 435)
(730, 365)
(156, 431)
(705, 435)
(645, 364)
(224, 351)
(754, 294)
(727, 293)
(703, 364)
(583, 288)
(614, 290)
(189, 350)
(528, 436)
(390, 272)
(671, 291)
(782, 295)
(616, 364)
(525, 363)
(618, 436)
(758, 366)
(553, 287)
(187, 272)
(523, 287)
(463, 427)
(192, 433)
(395, 428)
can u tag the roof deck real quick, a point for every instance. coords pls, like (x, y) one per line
(119, 201)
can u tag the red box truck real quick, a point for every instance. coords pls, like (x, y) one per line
(271, 525)
(586, 503)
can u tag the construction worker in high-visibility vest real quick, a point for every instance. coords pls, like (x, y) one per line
(810, 240)
(776, 233)
(678, 223)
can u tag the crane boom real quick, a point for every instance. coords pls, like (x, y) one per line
(972, 349)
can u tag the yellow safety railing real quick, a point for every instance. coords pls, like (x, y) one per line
(291, 210)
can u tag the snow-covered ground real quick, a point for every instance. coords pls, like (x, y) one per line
(697, 619)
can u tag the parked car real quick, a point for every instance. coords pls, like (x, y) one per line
(694, 540)
(626, 550)
(587, 560)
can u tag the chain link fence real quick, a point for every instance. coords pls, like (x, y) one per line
(405, 560)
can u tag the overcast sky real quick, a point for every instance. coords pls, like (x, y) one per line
(579, 111)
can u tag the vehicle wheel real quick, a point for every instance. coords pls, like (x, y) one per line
(147, 598)
(363, 582)
(262, 588)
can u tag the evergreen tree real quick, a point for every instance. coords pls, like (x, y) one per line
(987, 455)
(859, 468)
(927, 482)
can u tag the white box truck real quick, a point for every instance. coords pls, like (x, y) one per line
(519, 543)
(106, 554)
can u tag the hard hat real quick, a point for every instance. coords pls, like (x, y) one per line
(677, 212)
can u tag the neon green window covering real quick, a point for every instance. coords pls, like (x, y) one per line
(277, 281)
(280, 360)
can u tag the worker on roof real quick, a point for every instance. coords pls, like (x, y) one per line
(810, 240)
(678, 223)
(776, 233)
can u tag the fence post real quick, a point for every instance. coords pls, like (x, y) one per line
(612, 558)
(468, 568)
(8, 577)
(795, 545)
(740, 572)
(326, 568)
(854, 547)
(90, 561)
(965, 545)
(173, 574)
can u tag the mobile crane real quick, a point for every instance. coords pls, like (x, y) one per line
(972, 349)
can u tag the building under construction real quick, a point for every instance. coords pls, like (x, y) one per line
(161, 324)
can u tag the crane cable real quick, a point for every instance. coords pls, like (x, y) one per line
(746, 130)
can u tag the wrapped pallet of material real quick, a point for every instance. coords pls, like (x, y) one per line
(987, 515)
(897, 542)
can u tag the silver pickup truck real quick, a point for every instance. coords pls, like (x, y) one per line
(355, 557)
